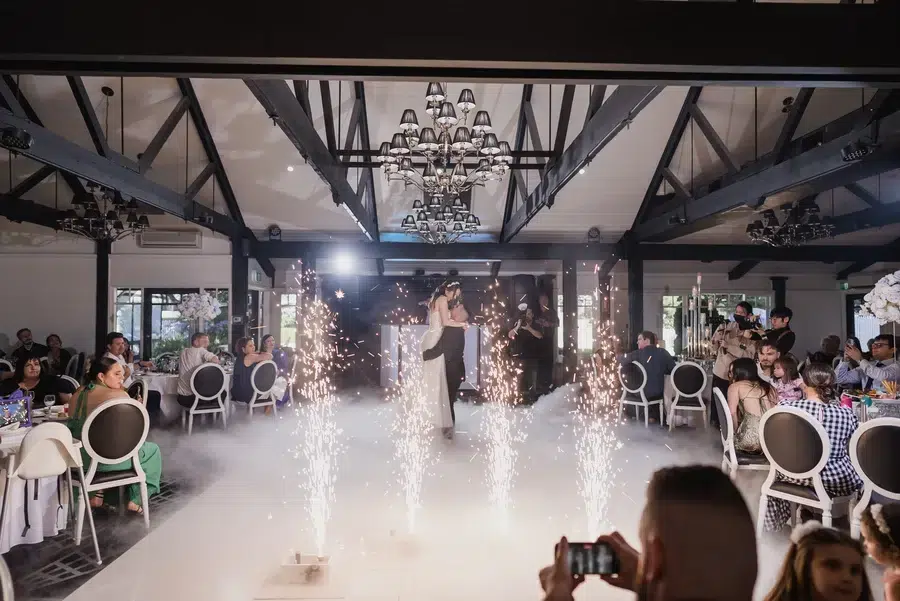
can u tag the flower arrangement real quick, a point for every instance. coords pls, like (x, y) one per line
(883, 302)
(199, 306)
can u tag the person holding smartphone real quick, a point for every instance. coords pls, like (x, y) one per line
(694, 519)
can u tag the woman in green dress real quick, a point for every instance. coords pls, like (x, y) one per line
(105, 380)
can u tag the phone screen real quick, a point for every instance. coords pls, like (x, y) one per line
(592, 558)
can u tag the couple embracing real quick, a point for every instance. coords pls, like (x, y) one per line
(443, 369)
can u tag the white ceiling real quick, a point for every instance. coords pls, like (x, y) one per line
(274, 186)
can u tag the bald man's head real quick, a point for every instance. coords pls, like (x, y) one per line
(697, 536)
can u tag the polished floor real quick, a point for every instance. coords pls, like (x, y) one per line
(232, 511)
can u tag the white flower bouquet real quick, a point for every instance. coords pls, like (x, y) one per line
(199, 306)
(883, 301)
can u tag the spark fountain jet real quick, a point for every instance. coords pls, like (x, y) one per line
(411, 424)
(595, 433)
(504, 424)
(318, 357)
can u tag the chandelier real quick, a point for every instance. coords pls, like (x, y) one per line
(441, 172)
(802, 223)
(103, 216)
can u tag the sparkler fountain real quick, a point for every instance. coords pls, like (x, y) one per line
(595, 427)
(411, 425)
(504, 426)
(318, 431)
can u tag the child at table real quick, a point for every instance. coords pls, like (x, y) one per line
(786, 379)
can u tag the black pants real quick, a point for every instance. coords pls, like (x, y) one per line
(456, 373)
(528, 379)
(722, 385)
(154, 401)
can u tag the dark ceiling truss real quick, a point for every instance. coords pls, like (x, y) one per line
(613, 116)
(286, 111)
(74, 162)
(99, 137)
(813, 161)
(741, 269)
(862, 265)
(646, 45)
(146, 158)
(863, 194)
(496, 251)
(598, 94)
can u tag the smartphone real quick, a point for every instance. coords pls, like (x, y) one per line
(850, 342)
(591, 558)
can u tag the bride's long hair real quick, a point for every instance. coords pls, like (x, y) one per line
(441, 291)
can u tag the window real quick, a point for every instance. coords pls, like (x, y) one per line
(217, 328)
(128, 316)
(289, 308)
(585, 317)
(168, 331)
(864, 327)
(673, 318)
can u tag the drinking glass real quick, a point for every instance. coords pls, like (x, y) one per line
(49, 400)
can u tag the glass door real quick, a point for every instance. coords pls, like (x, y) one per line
(864, 327)
(164, 329)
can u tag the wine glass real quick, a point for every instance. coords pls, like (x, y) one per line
(49, 401)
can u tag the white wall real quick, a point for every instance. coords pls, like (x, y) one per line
(49, 293)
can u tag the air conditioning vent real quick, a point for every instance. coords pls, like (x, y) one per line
(169, 239)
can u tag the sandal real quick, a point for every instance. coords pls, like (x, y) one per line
(138, 511)
(96, 502)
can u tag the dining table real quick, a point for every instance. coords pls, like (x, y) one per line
(46, 498)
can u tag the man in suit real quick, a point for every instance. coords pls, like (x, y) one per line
(452, 344)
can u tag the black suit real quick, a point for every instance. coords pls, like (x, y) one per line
(452, 344)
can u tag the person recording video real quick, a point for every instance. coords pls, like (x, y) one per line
(526, 338)
(735, 339)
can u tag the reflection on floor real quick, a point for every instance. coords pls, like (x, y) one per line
(232, 511)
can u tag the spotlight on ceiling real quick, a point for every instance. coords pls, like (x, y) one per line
(290, 167)
(344, 263)
(856, 151)
(15, 138)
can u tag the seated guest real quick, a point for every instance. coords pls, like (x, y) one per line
(29, 378)
(827, 354)
(869, 374)
(105, 383)
(766, 355)
(838, 475)
(694, 518)
(57, 357)
(824, 564)
(657, 362)
(787, 381)
(27, 346)
(781, 334)
(281, 360)
(749, 397)
(247, 358)
(191, 358)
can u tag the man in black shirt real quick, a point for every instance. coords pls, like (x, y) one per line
(452, 344)
(781, 335)
(27, 348)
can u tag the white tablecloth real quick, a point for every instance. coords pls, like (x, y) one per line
(44, 514)
(167, 387)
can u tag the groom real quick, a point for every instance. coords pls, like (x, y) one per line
(452, 344)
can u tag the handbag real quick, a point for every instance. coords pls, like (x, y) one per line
(16, 408)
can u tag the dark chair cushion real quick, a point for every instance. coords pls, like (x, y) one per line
(792, 442)
(209, 380)
(876, 451)
(265, 377)
(104, 477)
(632, 376)
(688, 379)
(687, 401)
(751, 458)
(798, 490)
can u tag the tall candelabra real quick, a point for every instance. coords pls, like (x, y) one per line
(698, 332)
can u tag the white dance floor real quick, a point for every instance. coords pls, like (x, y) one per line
(229, 540)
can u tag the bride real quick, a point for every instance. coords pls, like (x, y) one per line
(434, 372)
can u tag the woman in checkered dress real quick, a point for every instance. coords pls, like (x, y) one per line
(838, 475)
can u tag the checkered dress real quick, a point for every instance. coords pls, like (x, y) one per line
(838, 475)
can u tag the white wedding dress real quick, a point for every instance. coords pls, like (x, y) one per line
(434, 375)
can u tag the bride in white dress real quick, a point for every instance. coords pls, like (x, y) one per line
(434, 372)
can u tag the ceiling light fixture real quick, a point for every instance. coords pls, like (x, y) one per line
(290, 167)
(103, 216)
(443, 176)
(802, 224)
